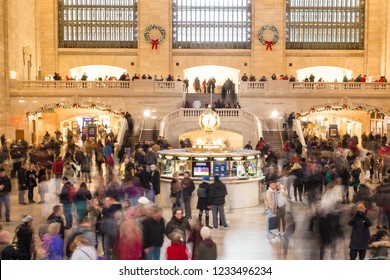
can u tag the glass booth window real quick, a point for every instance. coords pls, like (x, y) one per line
(167, 166)
(182, 164)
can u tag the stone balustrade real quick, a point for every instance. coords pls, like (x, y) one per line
(268, 88)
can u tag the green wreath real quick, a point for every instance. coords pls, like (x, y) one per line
(151, 27)
(273, 29)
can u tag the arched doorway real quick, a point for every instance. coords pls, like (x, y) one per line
(94, 72)
(327, 73)
(220, 73)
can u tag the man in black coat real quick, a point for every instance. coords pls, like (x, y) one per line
(360, 235)
(153, 234)
(217, 196)
(155, 180)
(22, 182)
(188, 186)
(5, 190)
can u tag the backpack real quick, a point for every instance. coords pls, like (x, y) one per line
(72, 192)
(202, 192)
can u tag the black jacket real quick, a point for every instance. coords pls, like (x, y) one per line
(22, 179)
(360, 235)
(7, 185)
(155, 180)
(153, 232)
(217, 193)
(24, 234)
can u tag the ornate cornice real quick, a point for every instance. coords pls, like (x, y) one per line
(97, 52)
(324, 54)
(211, 53)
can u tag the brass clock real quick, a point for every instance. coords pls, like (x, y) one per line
(209, 120)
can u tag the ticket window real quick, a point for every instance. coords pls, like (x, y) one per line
(182, 164)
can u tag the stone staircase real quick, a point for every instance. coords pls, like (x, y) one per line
(204, 99)
(273, 139)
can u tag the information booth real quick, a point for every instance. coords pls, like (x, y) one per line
(239, 170)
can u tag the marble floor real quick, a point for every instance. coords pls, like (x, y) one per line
(245, 239)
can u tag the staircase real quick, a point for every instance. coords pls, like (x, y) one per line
(204, 99)
(149, 134)
(273, 139)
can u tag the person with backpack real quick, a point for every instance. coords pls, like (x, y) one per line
(67, 195)
(203, 200)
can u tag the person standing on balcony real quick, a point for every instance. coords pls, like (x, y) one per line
(197, 85)
(248, 146)
(244, 78)
(84, 77)
(204, 85)
(185, 84)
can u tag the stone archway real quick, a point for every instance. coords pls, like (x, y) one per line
(220, 73)
(327, 73)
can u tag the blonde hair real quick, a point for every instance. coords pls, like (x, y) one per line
(54, 228)
(77, 241)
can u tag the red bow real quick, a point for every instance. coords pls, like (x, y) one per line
(154, 43)
(269, 45)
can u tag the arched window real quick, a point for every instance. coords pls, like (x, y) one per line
(218, 24)
(325, 24)
(97, 23)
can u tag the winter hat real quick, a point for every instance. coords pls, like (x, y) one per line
(296, 166)
(205, 233)
(143, 200)
(26, 219)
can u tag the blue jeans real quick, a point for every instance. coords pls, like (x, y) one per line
(154, 253)
(4, 198)
(68, 214)
(215, 209)
(269, 215)
(187, 205)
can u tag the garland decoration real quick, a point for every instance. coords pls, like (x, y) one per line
(53, 106)
(269, 44)
(368, 110)
(154, 42)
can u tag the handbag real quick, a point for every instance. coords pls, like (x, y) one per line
(272, 222)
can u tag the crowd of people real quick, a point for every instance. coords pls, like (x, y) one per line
(118, 217)
(343, 185)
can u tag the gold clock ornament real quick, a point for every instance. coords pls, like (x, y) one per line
(209, 121)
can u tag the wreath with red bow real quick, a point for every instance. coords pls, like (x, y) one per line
(269, 44)
(154, 42)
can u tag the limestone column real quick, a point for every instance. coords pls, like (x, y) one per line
(267, 62)
(5, 103)
(154, 61)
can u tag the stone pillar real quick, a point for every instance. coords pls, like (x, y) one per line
(5, 103)
(266, 62)
(154, 61)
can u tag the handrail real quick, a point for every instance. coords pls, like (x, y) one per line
(141, 129)
(280, 134)
(298, 130)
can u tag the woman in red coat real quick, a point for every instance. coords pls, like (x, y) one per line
(177, 250)
(129, 241)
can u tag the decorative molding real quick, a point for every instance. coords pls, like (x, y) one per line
(211, 53)
(332, 54)
(95, 52)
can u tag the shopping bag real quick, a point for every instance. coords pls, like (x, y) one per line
(273, 222)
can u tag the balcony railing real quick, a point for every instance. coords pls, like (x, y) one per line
(148, 86)
(286, 87)
(137, 86)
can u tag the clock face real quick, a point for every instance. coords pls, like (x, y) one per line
(208, 121)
